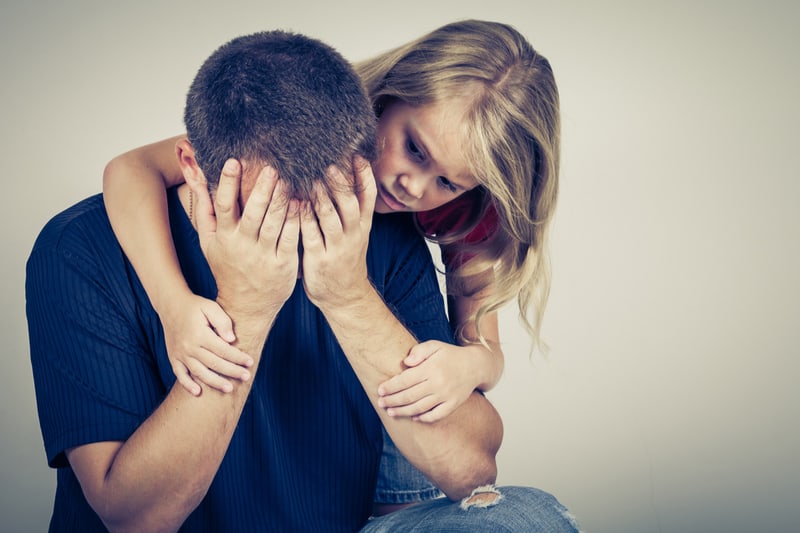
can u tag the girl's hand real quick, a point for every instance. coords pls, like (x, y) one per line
(439, 379)
(198, 334)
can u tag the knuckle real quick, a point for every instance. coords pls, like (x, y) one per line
(223, 207)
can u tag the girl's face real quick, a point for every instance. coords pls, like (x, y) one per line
(421, 163)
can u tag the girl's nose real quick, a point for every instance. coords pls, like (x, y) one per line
(414, 186)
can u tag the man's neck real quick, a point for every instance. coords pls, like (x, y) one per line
(189, 203)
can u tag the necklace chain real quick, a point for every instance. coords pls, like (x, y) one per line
(191, 206)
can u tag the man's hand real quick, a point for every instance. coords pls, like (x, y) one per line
(457, 453)
(253, 255)
(335, 233)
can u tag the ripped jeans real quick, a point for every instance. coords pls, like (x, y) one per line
(493, 509)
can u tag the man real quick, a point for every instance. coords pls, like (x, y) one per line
(295, 448)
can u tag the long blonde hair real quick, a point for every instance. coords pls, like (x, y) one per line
(512, 148)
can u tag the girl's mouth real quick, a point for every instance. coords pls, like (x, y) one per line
(393, 203)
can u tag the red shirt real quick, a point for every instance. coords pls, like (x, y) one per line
(450, 216)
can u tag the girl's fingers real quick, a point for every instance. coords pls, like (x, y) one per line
(224, 359)
(203, 374)
(421, 352)
(215, 349)
(439, 412)
(404, 380)
(219, 321)
(185, 379)
(415, 409)
(407, 396)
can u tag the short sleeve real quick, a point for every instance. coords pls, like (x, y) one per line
(95, 377)
(409, 287)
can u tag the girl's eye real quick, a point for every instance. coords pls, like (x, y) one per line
(413, 150)
(445, 183)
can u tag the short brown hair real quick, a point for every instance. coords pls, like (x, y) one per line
(278, 98)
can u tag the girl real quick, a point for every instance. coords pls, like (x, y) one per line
(468, 133)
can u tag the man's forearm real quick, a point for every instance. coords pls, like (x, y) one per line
(457, 453)
(163, 471)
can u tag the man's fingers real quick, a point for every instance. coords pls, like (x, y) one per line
(262, 198)
(203, 210)
(226, 201)
(310, 233)
(290, 233)
(366, 190)
(271, 226)
(346, 202)
(329, 222)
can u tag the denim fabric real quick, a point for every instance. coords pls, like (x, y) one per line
(519, 509)
(399, 481)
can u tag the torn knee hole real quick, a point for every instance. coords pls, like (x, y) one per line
(485, 496)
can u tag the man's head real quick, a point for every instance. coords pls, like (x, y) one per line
(281, 99)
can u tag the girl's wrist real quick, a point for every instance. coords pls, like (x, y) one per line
(488, 364)
(170, 296)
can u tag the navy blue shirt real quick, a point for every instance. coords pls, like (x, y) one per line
(304, 456)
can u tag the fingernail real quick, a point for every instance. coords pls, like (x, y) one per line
(231, 166)
(245, 376)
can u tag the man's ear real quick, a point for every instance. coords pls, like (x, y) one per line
(188, 162)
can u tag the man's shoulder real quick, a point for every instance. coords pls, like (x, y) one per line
(83, 219)
(78, 240)
(397, 251)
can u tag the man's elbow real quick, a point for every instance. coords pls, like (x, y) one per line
(136, 522)
(466, 477)
(124, 516)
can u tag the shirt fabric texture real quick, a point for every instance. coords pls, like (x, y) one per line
(305, 454)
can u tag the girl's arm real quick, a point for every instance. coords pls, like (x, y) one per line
(490, 360)
(441, 376)
(134, 191)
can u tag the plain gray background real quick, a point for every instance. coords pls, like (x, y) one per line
(669, 401)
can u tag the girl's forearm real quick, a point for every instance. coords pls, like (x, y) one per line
(134, 191)
(488, 359)
(489, 364)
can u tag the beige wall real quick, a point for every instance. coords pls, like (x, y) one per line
(669, 401)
